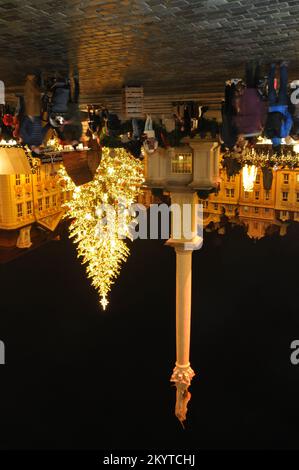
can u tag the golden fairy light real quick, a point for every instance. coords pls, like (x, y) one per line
(249, 175)
(101, 216)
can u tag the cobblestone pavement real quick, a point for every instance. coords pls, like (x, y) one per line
(162, 44)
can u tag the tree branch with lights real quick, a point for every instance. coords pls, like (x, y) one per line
(101, 216)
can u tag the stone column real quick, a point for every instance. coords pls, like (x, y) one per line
(182, 373)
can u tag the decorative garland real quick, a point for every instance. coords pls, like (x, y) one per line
(262, 157)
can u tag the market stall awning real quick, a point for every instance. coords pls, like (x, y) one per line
(13, 161)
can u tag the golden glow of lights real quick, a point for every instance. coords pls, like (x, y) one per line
(100, 232)
(249, 175)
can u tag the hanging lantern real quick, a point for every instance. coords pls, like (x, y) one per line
(249, 175)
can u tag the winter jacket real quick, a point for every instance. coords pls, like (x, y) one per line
(32, 131)
(250, 112)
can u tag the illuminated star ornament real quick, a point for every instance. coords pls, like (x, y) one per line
(101, 216)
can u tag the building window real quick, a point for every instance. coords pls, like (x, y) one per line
(256, 225)
(267, 195)
(54, 200)
(284, 213)
(285, 195)
(297, 195)
(285, 178)
(40, 204)
(246, 194)
(297, 177)
(38, 177)
(182, 163)
(246, 208)
(230, 193)
(18, 180)
(258, 179)
(47, 200)
(20, 210)
(29, 207)
(27, 179)
(256, 210)
(257, 194)
(215, 207)
(230, 208)
(267, 210)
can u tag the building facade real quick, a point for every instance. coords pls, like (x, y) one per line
(26, 199)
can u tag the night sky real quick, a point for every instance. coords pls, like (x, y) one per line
(80, 378)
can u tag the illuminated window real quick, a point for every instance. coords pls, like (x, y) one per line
(257, 194)
(29, 207)
(258, 179)
(246, 208)
(40, 204)
(285, 196)
(181, 163)
(230, 193)
(230, 208)
(285, 178)
(38, 174)
(54, 200)
(18, 180)
(20, 210)
(297, 177)
(47, 200)
(27, 179)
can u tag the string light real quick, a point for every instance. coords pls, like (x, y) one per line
(249, 176)
(101, 217)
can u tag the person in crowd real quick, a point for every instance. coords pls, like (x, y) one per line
(279, 120)
(65, 114)
(229, 132)
(32, 131)
(250, 109)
